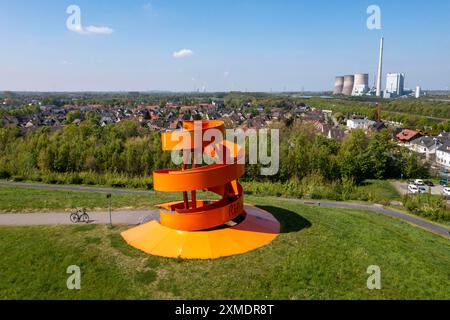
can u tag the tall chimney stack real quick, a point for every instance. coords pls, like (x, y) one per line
(380, 68)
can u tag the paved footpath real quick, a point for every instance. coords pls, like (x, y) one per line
(137, 217)
(118, 217)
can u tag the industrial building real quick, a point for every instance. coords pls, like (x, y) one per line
(418, 92)
(395, 85)
(361, 86)
(358, 84)
(349, 82)
(355, 85)
(338, 85)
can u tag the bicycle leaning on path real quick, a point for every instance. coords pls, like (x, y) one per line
(79, 216)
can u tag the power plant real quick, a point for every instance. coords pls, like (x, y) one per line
(349, 82)
(395, 85)
(338, 85)
(352, 85)
(361, 86)
(380, 68)
(358, 84)
(418, 92)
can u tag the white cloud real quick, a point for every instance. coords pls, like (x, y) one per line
(226, 74)
(183, 53)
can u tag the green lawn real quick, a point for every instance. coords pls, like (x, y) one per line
(381, 191)
(18, 199)
(321, 254)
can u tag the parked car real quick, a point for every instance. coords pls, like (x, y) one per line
(429, 183)
(446, 191)
(419, 182)
(412, 188)
(423, 189)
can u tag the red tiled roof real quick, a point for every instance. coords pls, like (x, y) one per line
(407, 135)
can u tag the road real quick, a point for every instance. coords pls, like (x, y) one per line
(137, 217)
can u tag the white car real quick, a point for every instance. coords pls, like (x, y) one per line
(422, 189)
(446, 191)
(412, 188)
(419, 182)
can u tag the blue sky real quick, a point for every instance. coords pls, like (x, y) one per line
(253, 45)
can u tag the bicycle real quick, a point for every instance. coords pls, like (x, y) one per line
(79, 216)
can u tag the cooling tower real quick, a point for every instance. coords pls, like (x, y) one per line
(361, 86)
(338, 85)
(362, 79)
(349, 82)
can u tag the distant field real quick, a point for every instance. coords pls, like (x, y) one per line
(18, 199)
(321, 254)
(380, 190)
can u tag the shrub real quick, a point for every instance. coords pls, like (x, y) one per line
(17, 178)
(4, 174)
(428, 206)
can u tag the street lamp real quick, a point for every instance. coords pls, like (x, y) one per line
(109, 196)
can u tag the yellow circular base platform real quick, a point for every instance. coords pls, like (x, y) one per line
(258, 229)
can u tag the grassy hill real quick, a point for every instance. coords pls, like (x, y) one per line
(322, 253)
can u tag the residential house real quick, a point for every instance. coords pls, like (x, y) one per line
(425, 145)
(104, 121)
(331, 132)
(218, 104)
(443, 155)
(357, 123)
(444, 137)
(407, 135)
(313, 115)
(378, 126)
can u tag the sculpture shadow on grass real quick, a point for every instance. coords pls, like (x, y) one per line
(289, 220)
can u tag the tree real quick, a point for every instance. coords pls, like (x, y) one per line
(352, 156)
(92, 118)
(413, 168)
(339, 116)
(73, 115)
(380, 156)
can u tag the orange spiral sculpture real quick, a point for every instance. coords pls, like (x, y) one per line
(202, 229)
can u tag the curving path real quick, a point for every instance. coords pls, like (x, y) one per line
(137, 217)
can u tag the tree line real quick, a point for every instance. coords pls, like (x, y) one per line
(132, 151)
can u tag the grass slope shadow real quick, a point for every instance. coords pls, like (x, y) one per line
(289, 220)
